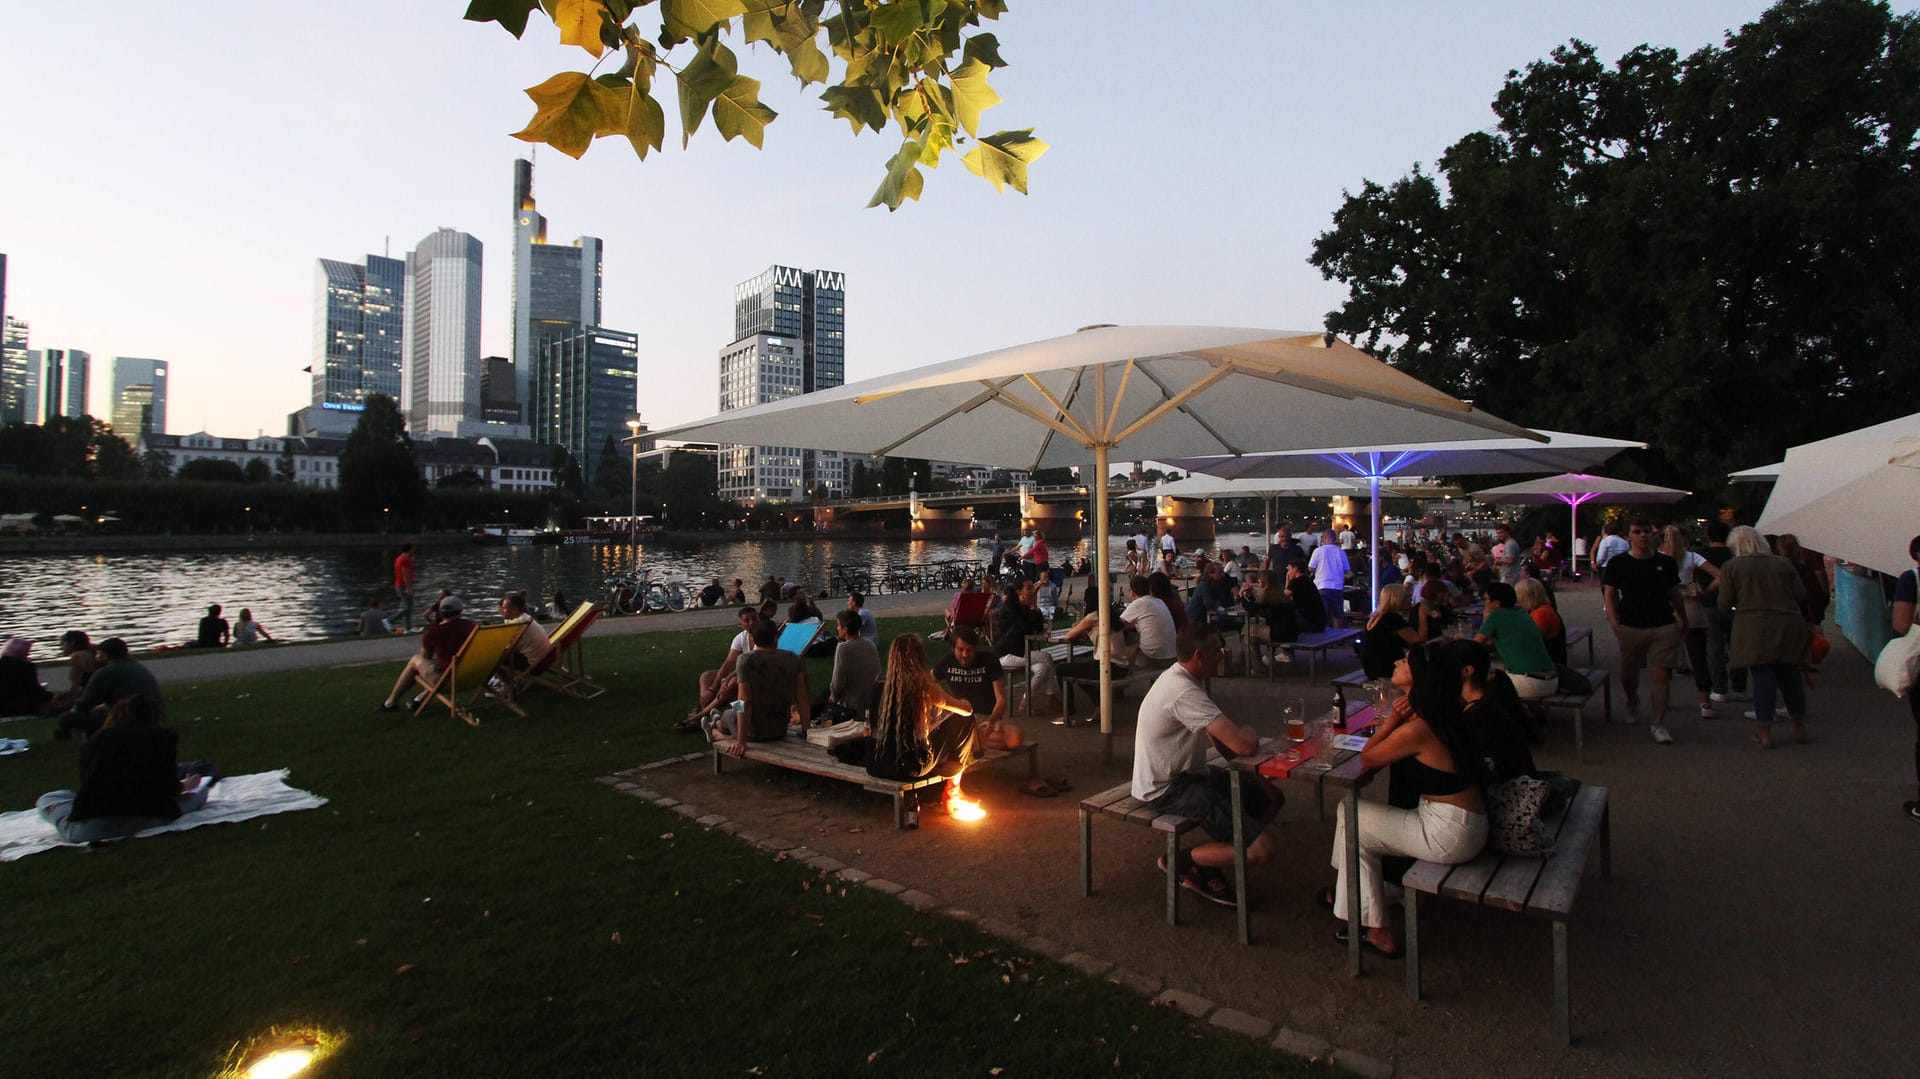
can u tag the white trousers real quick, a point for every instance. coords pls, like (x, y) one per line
(1436, 832)
(1533, 689)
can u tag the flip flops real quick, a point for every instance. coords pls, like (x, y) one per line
(1367, 943)
(1039, 788)
(1059, 784)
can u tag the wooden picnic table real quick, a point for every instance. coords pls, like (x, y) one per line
(1343, 770)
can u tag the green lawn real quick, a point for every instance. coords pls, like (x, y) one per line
(472, 903)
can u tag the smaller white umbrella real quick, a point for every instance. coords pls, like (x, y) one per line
(1758, 474)
(1577, 489)
(1850, 501)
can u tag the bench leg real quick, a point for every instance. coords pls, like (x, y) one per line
(1562, 992)
(717, 755)
(1033, 761)
(1412, 943)
(1606, 691)
(1606, 843)
(1579, 734)
(900, 811)
(1086, 853)
(1173, 881)
(1236, 801)
(1320, 797)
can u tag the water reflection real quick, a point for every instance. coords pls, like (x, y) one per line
(157, 599)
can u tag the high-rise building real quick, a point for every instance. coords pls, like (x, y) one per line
(19, 375)
(64, 376)
(589, 389)
(499, 391)
(359, 327)
(442, 338)
(139, 398)
(556, 287)
(789, 329)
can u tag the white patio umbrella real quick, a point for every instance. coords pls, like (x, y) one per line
(1852, 496)
(1374, 463)
(1576, 490)
(1142, 392)
(1758, 473)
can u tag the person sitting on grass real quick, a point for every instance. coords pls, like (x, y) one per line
(1178, 723)
(1432, 746)
(719, 686)
(214, 632)
(21, 693)
(82, 661)
(919, 728)
(802, 610)
(710, 595)
(735, 596)
(439, 643)
(372, 621)
(129, 779)
(118, 678)
(869, 625)
(773, 696)
(248, 632)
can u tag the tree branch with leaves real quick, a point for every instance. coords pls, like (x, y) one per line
(918, 66)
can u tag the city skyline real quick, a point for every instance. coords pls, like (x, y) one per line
(1166, 198)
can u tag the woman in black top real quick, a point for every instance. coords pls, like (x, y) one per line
(129, 779)
(802, 609)
(1018, 618)
(1389, 631)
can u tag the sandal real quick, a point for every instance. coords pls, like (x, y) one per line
(689, 724)
(1038, 788)
(1366, 943)
(1059, 784)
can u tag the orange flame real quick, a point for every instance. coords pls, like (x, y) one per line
(962, 808)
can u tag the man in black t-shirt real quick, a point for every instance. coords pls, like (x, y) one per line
(1641, 590)
(973, 674)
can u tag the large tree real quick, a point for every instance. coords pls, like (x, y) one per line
(910, 64)
(377, 470)
(1713, 255)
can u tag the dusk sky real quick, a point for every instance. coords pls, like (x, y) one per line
(173, 171)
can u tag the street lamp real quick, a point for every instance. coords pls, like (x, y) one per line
(633, 481)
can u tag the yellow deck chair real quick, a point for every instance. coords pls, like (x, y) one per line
(564, 667)
(465, 679)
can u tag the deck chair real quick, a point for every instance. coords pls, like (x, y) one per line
(796, 636)
(465, 679)
(564, 667)
(969, 609)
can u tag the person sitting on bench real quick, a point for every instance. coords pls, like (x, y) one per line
(974, 674)
(1514, 636)
(773, 695)
(720, 685)
(1047, 674)
(1153, 621)
(856, 670)
(919, 727)
(1178, 722)
(129, 778)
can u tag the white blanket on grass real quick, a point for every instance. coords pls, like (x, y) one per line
(234, 798)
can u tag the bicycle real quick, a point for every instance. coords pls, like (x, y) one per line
(628, 594)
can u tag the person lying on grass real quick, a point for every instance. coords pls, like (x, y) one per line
(129, 779)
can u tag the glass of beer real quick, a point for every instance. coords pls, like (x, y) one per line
(1294, 714)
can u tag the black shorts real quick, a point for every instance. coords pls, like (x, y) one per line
(1208, 798)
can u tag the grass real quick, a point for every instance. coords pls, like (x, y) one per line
(472, 903)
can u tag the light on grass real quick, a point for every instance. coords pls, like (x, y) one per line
(282, 1063)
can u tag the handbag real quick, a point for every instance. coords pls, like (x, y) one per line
(1899, 663)
(1571, 681)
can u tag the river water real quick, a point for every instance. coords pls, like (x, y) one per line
(157, 599)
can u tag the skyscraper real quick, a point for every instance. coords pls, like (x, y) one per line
(359, 327)
(442, 338)
(789, 329)
(139, 398)
(64, 375)
(589, 385)
(19, 376)
(556, 288)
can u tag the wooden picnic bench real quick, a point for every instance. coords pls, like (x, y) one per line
(800, 755)
(1576, 634)
(1120, 804)
(1575, 705)
(1543, 887)
(1314, 645)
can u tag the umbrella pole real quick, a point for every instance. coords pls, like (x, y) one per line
(1573, 534)
(1373, 539)
(1105, 581)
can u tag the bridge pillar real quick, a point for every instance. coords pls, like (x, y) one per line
(940, 522)
(1190, 521)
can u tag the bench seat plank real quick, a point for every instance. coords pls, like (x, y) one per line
(1107, 797)
(1517, 875)
(1468, 881)
(1426, 877)
(1560, 878)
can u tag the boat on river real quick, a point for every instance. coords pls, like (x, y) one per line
(513, 535)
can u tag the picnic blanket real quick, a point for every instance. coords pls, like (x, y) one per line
(235, 798)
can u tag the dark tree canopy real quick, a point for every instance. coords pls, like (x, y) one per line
(212, 470)
(1711, 254)
(377, 470)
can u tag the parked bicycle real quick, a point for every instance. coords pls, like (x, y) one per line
(633, 594)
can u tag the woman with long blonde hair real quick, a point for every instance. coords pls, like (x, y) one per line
(918, 726)
(1389, 631)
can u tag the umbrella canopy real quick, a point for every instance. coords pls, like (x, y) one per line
(1758, 474)
(1144, 392)
(1540, 450)
(1576, 489)
(1202, 486)
(1852, 496)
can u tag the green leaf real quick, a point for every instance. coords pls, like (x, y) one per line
(570, 110)
(895, 23)
(903, 180)
(857, 105)
(737, 112)
(1002, 158)
(808, 62)
(690, 18)
(972, 95)
(579, 22)
(510, 14)
(984, 48)
(646, 121)
(706, 78)
(990, 9)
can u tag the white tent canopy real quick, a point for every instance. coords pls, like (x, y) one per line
(1376, 462)
(1852, 496)
(1142, 392)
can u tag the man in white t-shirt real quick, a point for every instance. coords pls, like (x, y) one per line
(720, 686)
(1144, 545)
(1506, 554)
(1147, 615)
(1613, 543)
(1328, 564)
(1310, 538)
(1177, 724)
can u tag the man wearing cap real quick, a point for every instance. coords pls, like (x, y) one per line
(439, 643)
